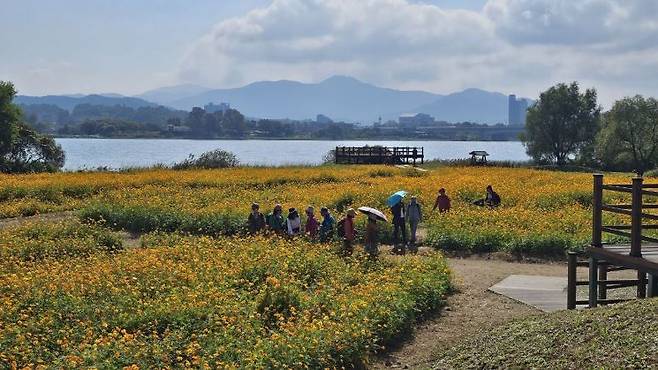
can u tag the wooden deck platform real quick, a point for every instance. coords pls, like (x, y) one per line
(545, 293)
(619, 254)
(379, 155)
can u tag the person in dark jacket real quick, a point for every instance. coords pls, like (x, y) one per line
(492, 199)
(275, 220)
(399, 227)
(327, 226)
(256, 219)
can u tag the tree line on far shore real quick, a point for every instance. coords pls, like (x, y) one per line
(564, 127)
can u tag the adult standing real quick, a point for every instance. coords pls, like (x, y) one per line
(293, 222)
(442, 201)
(348, 232)
(415, 217)
(311, 227)
(327, 226)
(275, 220)
(256, 220)
(399, 227)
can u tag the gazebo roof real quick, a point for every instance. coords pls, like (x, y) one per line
(479, 152)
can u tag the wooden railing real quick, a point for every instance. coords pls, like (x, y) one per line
(598, 280)
(635, 210)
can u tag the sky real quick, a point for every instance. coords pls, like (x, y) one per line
(510, 46)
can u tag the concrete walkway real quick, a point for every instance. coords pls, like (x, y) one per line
(546, 293)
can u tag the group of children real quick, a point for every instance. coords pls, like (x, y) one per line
(291, 225)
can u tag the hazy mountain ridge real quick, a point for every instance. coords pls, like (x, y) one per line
(69, 102)
(338, 97)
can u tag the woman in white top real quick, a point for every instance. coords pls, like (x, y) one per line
(294, 222)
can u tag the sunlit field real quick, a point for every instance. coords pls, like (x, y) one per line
(541, 211)
(197, 291)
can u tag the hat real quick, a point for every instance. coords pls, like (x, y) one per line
(291, 209)
(351, 212)
(310, 210)
(442, 190)
(255, 205)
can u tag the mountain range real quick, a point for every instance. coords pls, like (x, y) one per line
(339, 97)
(69, 102)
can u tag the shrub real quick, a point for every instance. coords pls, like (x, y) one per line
(214, 159)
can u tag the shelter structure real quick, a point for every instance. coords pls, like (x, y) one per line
(478, 157)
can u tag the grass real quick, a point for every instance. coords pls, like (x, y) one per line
(615, 337)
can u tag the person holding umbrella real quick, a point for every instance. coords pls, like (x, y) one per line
(372, 231)
(399, 221)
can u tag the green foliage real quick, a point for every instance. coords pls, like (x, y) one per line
(21, 148)
(214, 159)
(562, 125)
(615, 337)
(43, 241)
(628, 139)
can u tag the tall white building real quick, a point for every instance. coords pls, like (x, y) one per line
(517, 110)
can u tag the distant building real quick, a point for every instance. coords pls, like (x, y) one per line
(416, 119)
(517, 110)
(221, 107)
(321, 118)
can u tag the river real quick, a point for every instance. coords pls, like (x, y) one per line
(122, 153)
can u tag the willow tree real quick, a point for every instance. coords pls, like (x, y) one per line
(562, 125)
(628, 139)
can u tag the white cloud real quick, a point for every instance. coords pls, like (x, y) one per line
(520, 46)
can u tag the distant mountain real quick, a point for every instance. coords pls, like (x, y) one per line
(69, 102)
(166, 95)
(339, 97)
(472, 105)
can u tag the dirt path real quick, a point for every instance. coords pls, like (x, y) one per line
(46, 217)
(472, 309)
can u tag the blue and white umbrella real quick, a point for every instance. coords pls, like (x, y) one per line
(396, 198)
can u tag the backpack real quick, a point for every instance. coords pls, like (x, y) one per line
(340, 228)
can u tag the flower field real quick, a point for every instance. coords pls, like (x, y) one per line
(542, 212)
(198, 292)
(182, 301)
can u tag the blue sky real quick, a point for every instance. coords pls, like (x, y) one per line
(512, 46)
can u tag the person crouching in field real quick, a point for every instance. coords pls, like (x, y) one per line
(327, 227)
(492, 199)
(442, 201)
(347, 232)
(372, 233)
(414, 216)
(275, 220)
(311, 227)
(256, 220)
(293, 222)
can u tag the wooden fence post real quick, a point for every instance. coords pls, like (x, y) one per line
(603, 276)
(652, 290)
(597, 204)
(636, 218)
(571, 280)
(593, 282)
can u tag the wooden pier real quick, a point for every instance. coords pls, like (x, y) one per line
(605, 258)
(379, 155)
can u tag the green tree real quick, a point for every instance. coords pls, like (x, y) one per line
(628, 139)
(21, 148)
(562, 124)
